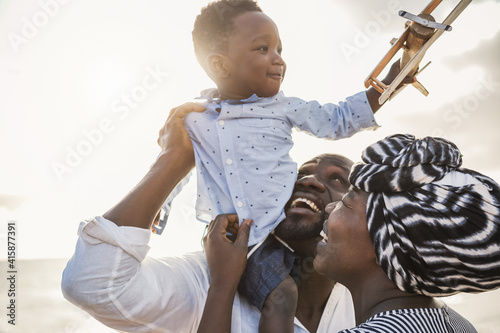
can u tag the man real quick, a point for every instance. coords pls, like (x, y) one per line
(111, 278)
(321, 180)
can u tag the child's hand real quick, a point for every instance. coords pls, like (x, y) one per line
(394, 71)
(373, 95)
(226, 259)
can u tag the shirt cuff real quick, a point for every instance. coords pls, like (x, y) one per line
(360, 103)
(132, 240)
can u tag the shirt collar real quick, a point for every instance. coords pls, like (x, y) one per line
(212, 96)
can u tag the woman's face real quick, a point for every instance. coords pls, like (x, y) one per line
(346, 249)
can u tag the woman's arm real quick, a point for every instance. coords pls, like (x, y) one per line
(139, 207)
(226, 261)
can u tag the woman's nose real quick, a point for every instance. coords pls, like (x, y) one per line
(329, 208)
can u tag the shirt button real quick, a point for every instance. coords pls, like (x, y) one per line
(239, 204)
(229, 161)
(221, 122)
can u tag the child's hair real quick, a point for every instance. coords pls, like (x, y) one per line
(214, 25)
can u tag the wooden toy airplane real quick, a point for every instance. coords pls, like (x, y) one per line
(420, 33)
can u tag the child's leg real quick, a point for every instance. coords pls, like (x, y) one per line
(279, 308)
(268, 283)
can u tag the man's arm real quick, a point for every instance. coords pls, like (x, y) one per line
(373, 95)
(108, 275)
(141, 205)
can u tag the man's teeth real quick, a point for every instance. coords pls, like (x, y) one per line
(324, 235)
(311, 204)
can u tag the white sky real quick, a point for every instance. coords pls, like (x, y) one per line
(66, 70)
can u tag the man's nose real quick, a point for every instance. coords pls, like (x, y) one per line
(311, 182)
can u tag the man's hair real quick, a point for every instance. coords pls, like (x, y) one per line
(338, 160)
(214, 26)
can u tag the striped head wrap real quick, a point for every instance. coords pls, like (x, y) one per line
(435, 227)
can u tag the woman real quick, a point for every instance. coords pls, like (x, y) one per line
(413, 226)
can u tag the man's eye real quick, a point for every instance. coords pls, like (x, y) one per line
(337, 178)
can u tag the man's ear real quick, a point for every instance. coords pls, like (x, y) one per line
(217, 66)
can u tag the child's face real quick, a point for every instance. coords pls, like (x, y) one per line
(253, 58)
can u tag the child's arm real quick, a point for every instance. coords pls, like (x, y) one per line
(342, 120)
(373, 95)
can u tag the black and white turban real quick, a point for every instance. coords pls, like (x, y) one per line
(435, 226)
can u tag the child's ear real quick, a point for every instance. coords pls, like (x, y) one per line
(216, 63)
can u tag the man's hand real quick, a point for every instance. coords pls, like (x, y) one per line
(174, 137)
(226, 259)
(141, 205)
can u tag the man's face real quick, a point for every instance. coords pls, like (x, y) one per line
(317, 185)
(253, 58)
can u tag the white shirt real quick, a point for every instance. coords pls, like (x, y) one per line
(110, 277)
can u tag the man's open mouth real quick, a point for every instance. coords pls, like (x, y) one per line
(305, 203)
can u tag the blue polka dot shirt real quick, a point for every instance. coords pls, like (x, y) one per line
(242, 150)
